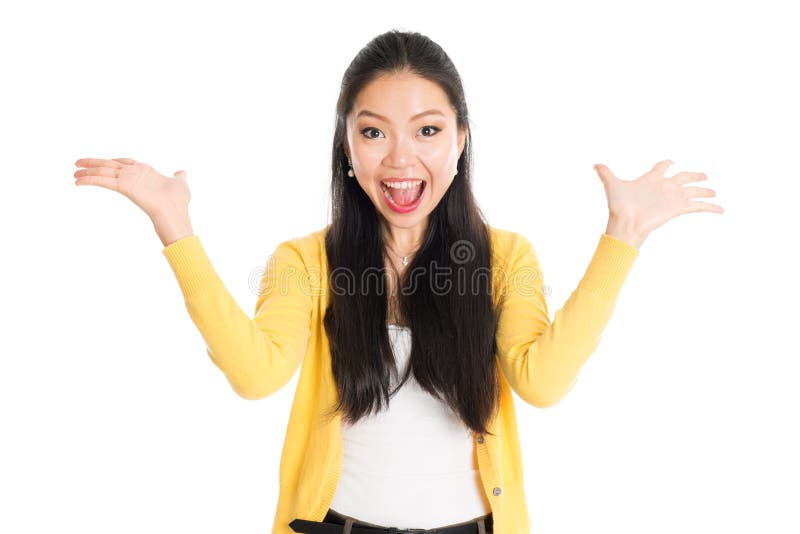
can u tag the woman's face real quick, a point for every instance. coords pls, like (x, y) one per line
(390, 137)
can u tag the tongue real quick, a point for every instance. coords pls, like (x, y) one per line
(404, 197)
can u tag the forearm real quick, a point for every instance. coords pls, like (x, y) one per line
(259, 355)
(541, 359)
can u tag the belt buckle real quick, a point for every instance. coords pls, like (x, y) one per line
(394, 530)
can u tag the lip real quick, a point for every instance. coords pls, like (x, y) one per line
(408, 208)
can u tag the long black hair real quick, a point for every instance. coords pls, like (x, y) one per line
(445, 293)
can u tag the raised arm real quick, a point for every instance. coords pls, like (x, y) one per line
(539, 358)
(259, 355)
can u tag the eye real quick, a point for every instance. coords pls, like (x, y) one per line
(432, 127)
(365, 130)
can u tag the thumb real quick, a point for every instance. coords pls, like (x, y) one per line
(180, 174)
(604, 173)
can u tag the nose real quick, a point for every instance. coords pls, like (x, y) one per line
(401, 153)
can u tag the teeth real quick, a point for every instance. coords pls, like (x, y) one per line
(402, 185)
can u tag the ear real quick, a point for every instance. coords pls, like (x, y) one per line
(462, 139)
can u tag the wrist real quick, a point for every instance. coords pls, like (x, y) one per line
(172, 227)
(624, 229)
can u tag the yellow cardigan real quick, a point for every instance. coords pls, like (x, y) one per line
(539, 359)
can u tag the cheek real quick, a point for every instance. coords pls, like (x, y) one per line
(368, 159)
(440, 159)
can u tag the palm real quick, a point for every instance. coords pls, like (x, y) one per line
(653, 199)
(151, 191)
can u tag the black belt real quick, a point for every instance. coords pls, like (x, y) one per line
(350, 526)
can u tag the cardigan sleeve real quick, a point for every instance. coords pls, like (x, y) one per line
(258, 356)
(541, 359)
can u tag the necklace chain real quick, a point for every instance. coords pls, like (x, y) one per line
(403, 258)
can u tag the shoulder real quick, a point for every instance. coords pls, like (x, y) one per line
(513, 257)
(508, 246)
(307, 249)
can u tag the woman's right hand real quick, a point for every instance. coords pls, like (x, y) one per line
(158, 196)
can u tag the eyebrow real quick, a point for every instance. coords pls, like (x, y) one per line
(368, 113)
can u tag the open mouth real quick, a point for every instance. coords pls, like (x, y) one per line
(403, 194)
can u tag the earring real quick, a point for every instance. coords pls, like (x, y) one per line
(350, 173)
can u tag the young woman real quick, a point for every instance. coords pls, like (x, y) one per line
(407, 296)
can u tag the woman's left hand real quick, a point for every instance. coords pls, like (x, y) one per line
(637, 207)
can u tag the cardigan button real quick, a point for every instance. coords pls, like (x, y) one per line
(480, 438)
(497, 491)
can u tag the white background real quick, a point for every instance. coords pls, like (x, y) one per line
(113, 417)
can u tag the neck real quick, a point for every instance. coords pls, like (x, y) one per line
(404, 241)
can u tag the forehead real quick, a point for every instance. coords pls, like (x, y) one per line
(401, 96)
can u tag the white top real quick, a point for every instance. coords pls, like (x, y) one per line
(412, 465)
